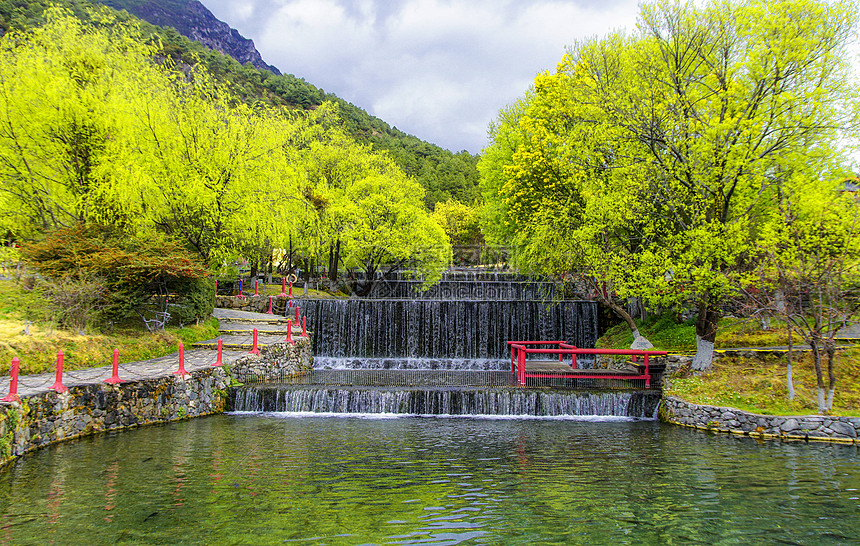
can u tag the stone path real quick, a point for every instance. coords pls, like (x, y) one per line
(237, 324)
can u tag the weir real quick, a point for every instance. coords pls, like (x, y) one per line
(444, 351)
(445, 401)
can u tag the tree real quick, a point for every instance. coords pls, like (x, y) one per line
(809, 272)
(386, 228)
(64, 91)
(129, 271)
(690, 123)
(460, 222)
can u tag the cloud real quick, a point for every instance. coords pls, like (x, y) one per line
(438, 69)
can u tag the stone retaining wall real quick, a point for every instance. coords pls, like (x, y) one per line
(718, 419)
(46, 417)
(277, 361)
(50, 417)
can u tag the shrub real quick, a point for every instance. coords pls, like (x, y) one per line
(75, 301)
(138, 271)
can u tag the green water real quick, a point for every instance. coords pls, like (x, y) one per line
(256, 479)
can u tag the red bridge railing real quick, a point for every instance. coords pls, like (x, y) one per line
(520, 350)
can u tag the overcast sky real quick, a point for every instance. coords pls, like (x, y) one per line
(438, 69)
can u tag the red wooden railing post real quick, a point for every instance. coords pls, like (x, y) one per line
(13, 382)
(305, 326)
(269, 312)
(297, 315)
(218, 361)
(283, 293)
(181, 370)
(512, 359)
(256, 288)
(647, 373)
(114, 378)
(58, 384)
(521, 365)
(254, 350)
(289, 331)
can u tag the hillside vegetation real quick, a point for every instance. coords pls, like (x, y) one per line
(443, 174)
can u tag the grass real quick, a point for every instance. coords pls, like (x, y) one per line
(760, 385)
(668, 335)
(37, 349)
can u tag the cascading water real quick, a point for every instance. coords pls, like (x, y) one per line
(436, 401)
(440, 352)
(439, 334)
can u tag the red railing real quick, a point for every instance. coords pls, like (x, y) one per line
(520, 349)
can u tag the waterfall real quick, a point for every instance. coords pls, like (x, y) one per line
(435, 401)
(359, 332)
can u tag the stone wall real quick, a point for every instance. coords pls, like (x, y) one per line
(50, 417)
(718, 419)
(46, 417)
(276, 361)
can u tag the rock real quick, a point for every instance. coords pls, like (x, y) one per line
(789, 425)
(843, 429)
(641, 344)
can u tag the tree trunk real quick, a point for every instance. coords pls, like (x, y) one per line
(819, 376)
(789, 378)
(290, 256)
(831, 375)
(605, 297)
(333, 264)
(706, 336)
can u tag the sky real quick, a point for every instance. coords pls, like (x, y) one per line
(437, 69)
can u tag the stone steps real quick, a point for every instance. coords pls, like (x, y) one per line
(236, 329)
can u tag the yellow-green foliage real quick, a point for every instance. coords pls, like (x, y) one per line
(98, 127)
(651, 161)
(460, 222)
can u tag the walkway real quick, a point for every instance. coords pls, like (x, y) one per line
(238, 324)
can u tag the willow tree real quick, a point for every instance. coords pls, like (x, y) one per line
(387, 228)
(690, 122)
(369, 213)
(64, 118)
(214, 172)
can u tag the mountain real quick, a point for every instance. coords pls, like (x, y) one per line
(194, 21)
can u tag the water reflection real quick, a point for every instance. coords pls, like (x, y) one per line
(263, 479)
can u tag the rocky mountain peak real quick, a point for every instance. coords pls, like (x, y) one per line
(194, 21)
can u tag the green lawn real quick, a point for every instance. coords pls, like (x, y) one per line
(668, 335)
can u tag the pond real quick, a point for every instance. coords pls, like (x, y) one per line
(325, 479)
